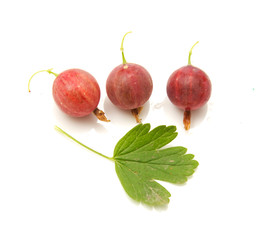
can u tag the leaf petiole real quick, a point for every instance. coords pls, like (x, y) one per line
(83, 145)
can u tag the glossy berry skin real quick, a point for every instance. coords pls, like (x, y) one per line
(189, 88)
(129, 86)
(76, 92)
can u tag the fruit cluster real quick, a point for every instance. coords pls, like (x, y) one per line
(129, 86)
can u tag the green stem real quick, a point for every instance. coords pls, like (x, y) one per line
(190, 53)
(75, 140)
(123, 58)
(49, 71)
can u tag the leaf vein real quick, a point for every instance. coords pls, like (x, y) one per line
(131, 182)
(142, 146)
(145, 182)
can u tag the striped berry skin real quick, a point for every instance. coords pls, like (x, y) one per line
(76, 92)
(189, 88)
(129, 86)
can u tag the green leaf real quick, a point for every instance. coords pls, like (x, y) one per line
(139, 161)
(139, 139)
(140, 188)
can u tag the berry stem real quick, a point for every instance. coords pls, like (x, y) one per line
(83, 145)
(190, 53)
(100, 115)
(123, 58)
(136, 112)
(49, 71)
(187, 119)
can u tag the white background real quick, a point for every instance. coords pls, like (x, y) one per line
(52, 188)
